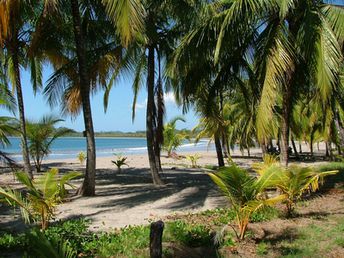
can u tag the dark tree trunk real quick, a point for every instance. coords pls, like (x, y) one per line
(294, 147)
(225, 146)
(327, 154)
(300, 147)
(285, 125)
(150, 118)
(219, 151)
(264, 148)
(88, 186)
(159, 138)
(311, 144)
(23, 135)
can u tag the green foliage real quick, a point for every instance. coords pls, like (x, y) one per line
(336, 180)
(192, 235)
(293, 181)
(81, 157)
(245, 193)
(129, 242)
(193, 159)
(13, 242)
(172, 138)
(41, 135)
(41, 246)
(262, 248)
(75, 232)
(267, 213)
(43, 195)
(119, 162)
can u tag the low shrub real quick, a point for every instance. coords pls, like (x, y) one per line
(189, 234)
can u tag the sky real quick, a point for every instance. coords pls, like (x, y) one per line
(119, 112)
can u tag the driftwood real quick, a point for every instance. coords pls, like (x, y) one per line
(155, 246)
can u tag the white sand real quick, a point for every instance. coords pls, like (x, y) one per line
(129, 198)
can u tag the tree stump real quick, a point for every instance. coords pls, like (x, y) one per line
(155, 246)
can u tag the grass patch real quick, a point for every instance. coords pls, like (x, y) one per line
(333, 181)
(192, 235)
(313, 240)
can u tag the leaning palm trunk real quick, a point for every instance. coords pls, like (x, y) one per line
(88, 186)
(218, 147)
(23, 136)
(285, 125)
(150, 119)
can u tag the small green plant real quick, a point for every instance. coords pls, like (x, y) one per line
(262, 248)
(43, 195)
(192, 235)
(41, 246)
(119, 162)
(41, 135)
(172, 138)
(81, 157)
(292, 181)
(193, 159)
(245, 193)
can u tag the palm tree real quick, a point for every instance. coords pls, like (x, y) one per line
(162, 23)
(293, 45)
(16, 16)
(84, 52)
(41, 135)
(298, 46)
(173, 139)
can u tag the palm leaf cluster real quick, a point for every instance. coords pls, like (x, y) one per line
(42, 195)
(276, 66)
(41, 136)
(247, 194)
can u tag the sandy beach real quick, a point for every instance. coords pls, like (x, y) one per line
(129, 197)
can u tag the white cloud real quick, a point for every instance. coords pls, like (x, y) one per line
(141, 105)
(169, 98)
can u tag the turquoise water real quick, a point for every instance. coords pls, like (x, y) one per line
(69, 147)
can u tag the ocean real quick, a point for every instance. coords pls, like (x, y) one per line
(69, 147)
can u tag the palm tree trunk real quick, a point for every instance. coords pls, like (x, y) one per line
(23, 136)
(88, 186)
(150, 119)
(219, 151)
(224, 146)
(327, 154)
(285, 125)
(311, 144)
(294, 147)
(159, 139)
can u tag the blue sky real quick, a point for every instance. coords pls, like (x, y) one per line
(118, 115)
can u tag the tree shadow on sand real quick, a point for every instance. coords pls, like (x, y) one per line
(136, 188)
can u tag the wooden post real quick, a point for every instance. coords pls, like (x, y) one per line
(155, 245)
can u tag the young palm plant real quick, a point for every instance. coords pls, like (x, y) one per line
(293, 181)
(245, 193)
(119, 162)
(173, 139)
(41, 136)
(43, 195)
